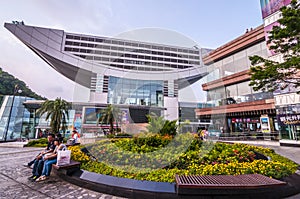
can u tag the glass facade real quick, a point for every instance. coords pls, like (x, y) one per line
(36, 127)
(18, 125)
(29, 123)
(237, 62)
(289, 121)
(24, 123)
(135, 92)
(235, 94)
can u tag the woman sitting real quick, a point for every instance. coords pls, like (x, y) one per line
(51, 159)
(75, 138)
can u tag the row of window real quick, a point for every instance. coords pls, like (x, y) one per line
(240, 92)
(152, 69)
(124, 55)
(117, 63)
(134, 44)
(139, 68)
(106, 59)
(239, 61)
(149, 52)
(131, 56)
(289, 109)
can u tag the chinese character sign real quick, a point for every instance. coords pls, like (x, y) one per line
(289, 119)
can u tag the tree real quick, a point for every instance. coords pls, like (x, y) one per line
(157, 124)
(8, 82)
(268, 75)
(58, 111)
(108, 116)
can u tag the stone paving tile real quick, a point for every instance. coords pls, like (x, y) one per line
(14, 183)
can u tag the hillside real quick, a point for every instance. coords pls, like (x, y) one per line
(8, 82)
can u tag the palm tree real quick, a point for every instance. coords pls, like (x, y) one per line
(109, 116)
(58, 111)
(155, 123)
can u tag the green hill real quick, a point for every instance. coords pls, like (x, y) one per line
(7, 85)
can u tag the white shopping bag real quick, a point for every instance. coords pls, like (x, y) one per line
(63, 157)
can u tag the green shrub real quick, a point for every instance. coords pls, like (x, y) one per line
(159, 158)
(119, 135)
(157, 124)
(42, 142)
(169, 128)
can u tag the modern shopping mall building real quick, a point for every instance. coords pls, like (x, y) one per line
(137, 75)
(142, 76)
(237, 107)
(239, 110)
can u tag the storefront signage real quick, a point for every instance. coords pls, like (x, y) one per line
(286, 99)
(290, 119)
(244, 120)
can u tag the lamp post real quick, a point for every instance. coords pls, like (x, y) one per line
(16, 90)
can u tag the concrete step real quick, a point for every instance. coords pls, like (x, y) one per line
(13, 144)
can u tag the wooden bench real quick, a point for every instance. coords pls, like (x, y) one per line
(67, 168)
(224, 184)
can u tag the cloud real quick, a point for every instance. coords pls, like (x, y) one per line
(198, 19)
(72, 16)
(78, 16)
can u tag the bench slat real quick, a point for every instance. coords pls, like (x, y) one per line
(72, 164)
(226, 181)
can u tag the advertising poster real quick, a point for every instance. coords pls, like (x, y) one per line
(269, 7)
(77, 122)
(91, 115)
(265, 124)
(124, 117)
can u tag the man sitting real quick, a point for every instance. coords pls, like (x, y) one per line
(38, 161)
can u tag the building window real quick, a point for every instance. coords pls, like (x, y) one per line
(135, 92)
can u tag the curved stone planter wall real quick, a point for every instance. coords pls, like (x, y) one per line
(123, 187)
(130, 188)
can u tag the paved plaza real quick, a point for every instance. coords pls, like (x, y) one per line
(14, 182)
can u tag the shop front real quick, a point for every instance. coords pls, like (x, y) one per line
(288, 116)
(256, 126)
(255, 119)
(244, 124)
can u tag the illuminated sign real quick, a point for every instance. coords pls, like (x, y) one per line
(289, 119)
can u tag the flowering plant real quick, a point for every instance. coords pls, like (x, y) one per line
(122, 157)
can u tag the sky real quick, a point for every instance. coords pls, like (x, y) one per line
(209, 23)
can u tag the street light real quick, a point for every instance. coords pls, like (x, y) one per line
(16, 90)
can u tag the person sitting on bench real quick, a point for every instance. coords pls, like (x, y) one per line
(38, 161)
(75, 140)
(50, 159)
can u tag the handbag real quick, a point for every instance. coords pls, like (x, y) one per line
(63, 157)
